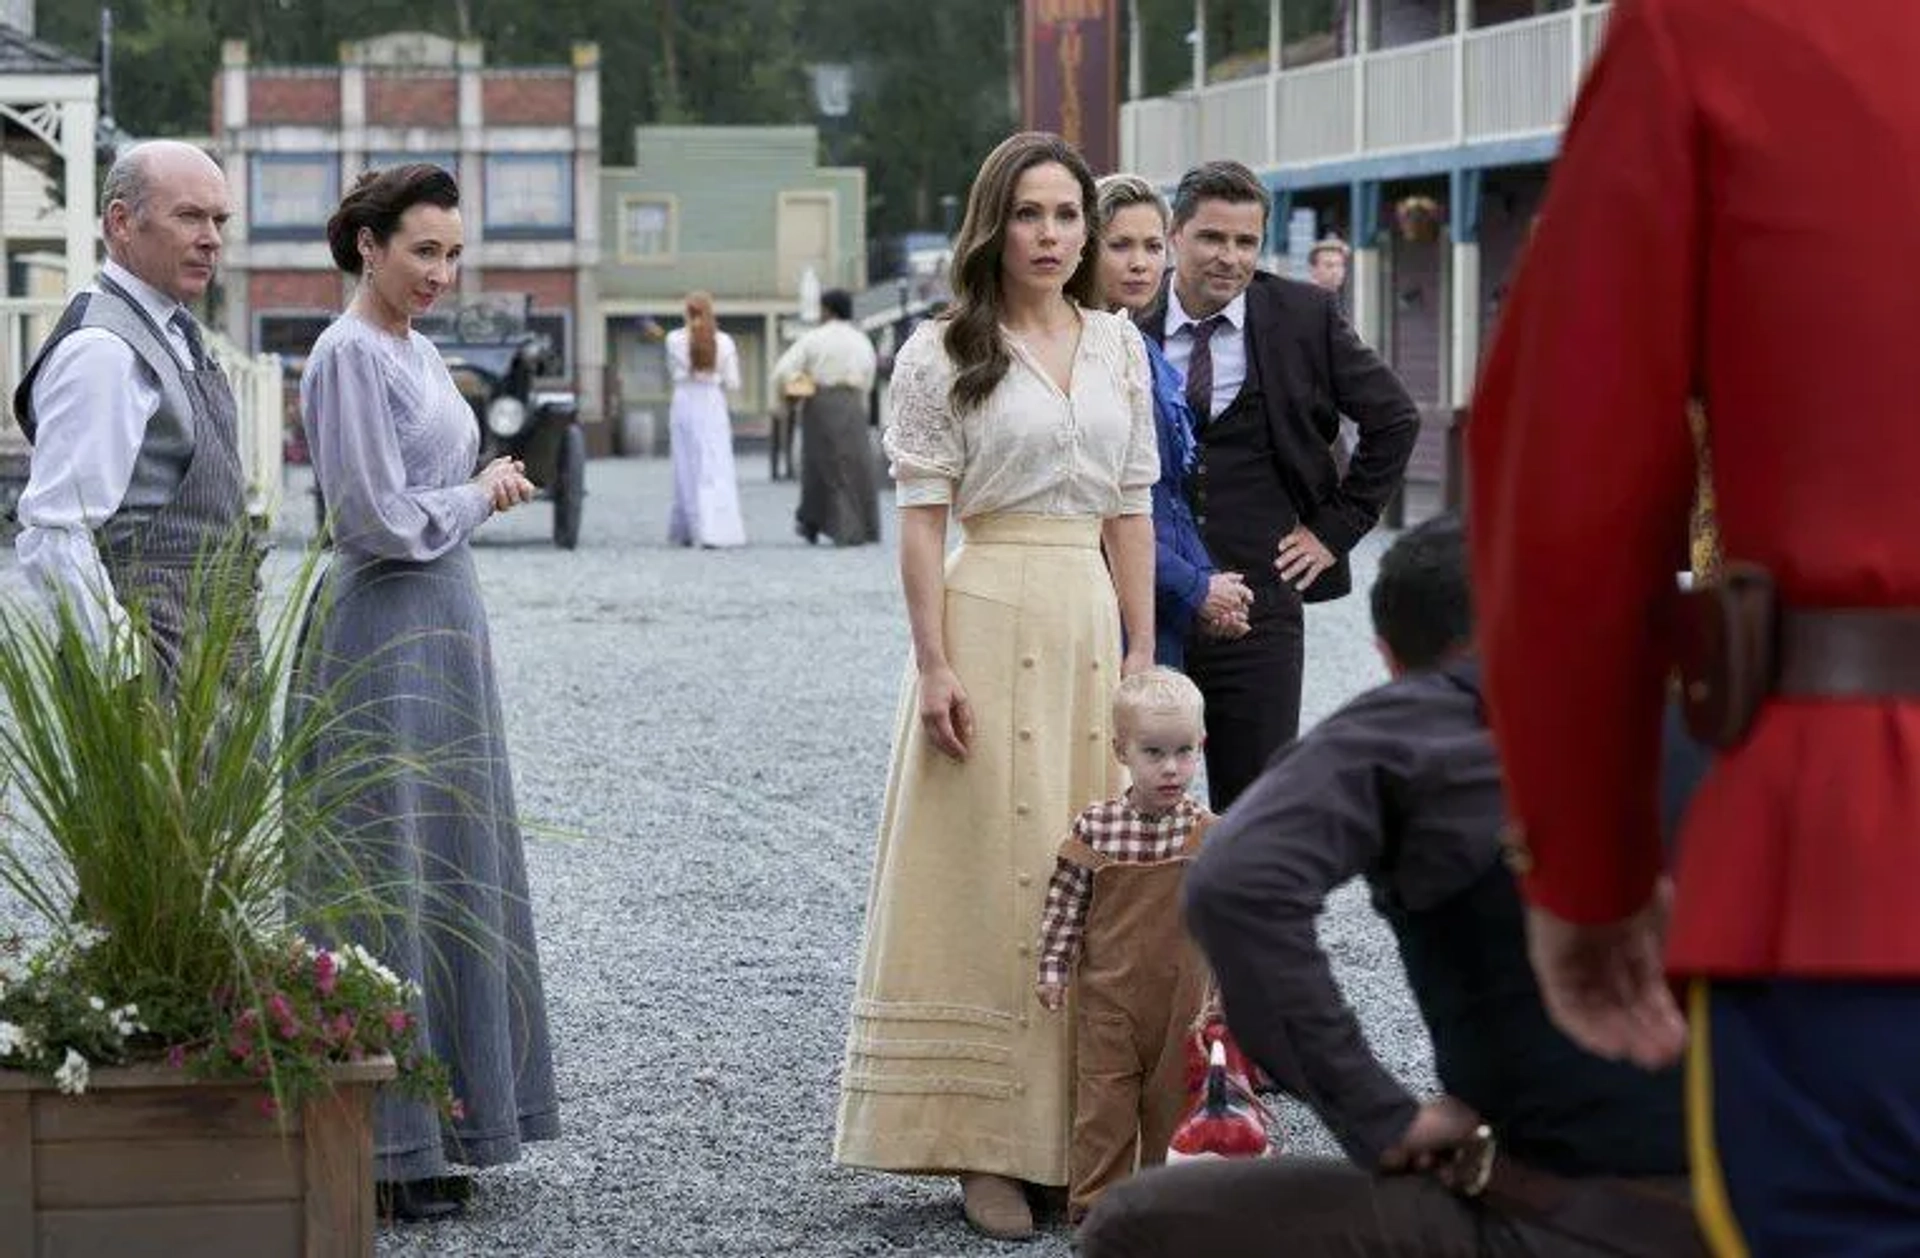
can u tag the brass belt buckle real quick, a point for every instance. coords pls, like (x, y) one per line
(1471, 1166)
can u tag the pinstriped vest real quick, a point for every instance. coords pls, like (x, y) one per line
(187, 495)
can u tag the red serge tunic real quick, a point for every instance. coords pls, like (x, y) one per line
(1736, 213)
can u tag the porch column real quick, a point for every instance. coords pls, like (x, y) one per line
(1463, 219)
(1362, 44)
(1366, 260)
(1199, 45)
(1278, 219)
(1276, 33)
(1462, 23)
(78, 121)
(1577, 42)
(1136, 55)
(469, 56)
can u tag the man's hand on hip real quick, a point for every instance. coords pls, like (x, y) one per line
(1302, 558)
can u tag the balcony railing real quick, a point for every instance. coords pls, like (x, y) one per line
(1509, 81)
(256, 380)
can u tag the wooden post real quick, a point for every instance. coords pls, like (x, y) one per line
(1199, 45)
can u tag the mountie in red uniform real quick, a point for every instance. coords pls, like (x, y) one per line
(1735, 216)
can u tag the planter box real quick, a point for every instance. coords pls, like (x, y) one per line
(150, 1162)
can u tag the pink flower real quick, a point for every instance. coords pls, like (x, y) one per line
(177, 1057)
(398, 1020)
(326, 974)
(269, 1107)
(343, 1027)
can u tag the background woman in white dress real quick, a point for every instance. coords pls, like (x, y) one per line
(1027, 414)
(705, 367)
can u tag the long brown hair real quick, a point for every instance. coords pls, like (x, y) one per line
(972, 335)
(702, 341)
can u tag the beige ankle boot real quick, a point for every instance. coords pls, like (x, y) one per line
(996, 1206)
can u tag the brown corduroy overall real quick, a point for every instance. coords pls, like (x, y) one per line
(1139, 984)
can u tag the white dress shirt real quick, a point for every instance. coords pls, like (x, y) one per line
(835, 353)
(92, 401)
(1228, 346)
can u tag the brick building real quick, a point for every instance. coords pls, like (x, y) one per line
(524, 141)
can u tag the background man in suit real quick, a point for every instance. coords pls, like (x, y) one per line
(1270, 364)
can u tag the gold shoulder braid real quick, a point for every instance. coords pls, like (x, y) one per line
(1705, 530)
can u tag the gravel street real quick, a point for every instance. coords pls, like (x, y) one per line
(700, 741)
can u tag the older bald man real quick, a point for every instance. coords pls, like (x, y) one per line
(136, 473)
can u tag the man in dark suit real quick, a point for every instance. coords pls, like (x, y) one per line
(1271, 364)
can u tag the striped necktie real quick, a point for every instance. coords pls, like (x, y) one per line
(195, 348)
(1200, 368)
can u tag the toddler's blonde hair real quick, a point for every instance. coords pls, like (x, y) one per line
(1156, 690)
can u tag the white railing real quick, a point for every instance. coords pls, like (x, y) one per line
(1596, 30)
(1233, 121)
(1317, 119)
(1519, 76)
(1410, 96)
(1513, 80)
(258, 392)
(1159, 134)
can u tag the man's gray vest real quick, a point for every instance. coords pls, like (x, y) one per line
(187, 496)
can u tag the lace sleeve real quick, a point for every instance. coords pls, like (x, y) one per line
(922, 438)
(1141, 467)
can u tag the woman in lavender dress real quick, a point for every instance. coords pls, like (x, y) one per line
(397, 641)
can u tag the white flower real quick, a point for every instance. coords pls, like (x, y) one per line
(366, 960)
(72, 1075)
(84, 937)
(126, 1021)
(96, 1004)
(11, 1039)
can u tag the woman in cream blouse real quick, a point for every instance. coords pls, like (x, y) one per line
(1028, 415)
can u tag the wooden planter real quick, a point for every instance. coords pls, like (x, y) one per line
(150, 1162)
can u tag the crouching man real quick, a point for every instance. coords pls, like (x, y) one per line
(1536, 1147)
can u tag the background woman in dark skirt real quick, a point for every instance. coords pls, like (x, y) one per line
(839, 496)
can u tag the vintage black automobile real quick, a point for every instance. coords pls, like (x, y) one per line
(495, 358)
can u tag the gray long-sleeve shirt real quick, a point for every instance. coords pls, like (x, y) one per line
(1405, 772)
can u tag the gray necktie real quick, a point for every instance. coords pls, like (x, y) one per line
(195, 348)
(1200, 368)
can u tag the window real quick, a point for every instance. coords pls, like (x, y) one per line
(292, 194)
(288, 335)
(529, 195)
(449, 162)
(557, 325)
(647, 229)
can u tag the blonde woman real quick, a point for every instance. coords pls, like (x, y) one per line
(1190, 593)
(705, 367)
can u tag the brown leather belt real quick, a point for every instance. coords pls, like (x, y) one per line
(1635, 1218)
(1853, 653)
(1645, 1217)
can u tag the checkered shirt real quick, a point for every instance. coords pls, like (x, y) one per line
(1121, 832)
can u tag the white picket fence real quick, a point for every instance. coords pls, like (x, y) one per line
(258, 391)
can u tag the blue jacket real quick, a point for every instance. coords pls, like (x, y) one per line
(1181, 566)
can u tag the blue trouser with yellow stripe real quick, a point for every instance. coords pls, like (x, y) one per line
(1804, 1104)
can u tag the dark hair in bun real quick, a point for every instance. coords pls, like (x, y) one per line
(376, 202)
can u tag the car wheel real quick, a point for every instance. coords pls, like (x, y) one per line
(569, 488)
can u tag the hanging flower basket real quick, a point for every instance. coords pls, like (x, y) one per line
(1418, 218)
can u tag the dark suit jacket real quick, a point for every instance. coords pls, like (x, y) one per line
(1313, 368)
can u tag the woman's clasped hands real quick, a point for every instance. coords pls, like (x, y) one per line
(506, 483)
